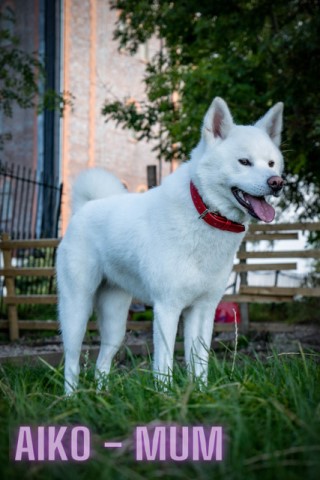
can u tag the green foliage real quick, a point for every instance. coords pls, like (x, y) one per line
(17, 71)
(269, 412)
(20, 76)
(304, 311)
(252, 53)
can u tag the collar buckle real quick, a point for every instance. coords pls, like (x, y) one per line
(202, 215)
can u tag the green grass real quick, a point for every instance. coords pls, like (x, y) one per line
(270, 413)
(304, 310)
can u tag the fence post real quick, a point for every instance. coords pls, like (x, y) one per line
(244, 307)
(9, 282)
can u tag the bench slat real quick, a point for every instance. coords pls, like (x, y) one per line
(28, 272)
(290, 291)
(30, 299)
(312, 253)
(253, 267)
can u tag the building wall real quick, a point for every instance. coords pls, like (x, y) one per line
(93, 71)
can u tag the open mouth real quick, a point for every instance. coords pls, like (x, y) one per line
(257, 207)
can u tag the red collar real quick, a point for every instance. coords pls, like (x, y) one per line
(213, 219)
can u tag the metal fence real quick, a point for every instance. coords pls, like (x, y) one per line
(29, 203)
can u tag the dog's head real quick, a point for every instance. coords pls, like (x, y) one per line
(238, 166)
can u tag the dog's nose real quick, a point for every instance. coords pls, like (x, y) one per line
(275, 182)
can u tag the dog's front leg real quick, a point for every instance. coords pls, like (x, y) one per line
(164, 334)
(198, 328)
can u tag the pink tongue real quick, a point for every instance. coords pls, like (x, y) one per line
(261, 208)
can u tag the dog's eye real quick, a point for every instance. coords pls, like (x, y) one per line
(245, 161)
(271, 163)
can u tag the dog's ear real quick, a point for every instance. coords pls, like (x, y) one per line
(271, 123)
(217, 121)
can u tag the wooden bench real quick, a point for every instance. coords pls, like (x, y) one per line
(246, 293)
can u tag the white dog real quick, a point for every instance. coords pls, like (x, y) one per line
(172, 247)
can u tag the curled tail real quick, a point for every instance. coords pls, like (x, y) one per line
(93, 184)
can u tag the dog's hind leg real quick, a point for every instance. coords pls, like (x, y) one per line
(112, 305)
(74, 312)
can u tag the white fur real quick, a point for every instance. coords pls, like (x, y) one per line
(154, 247)
(93, 184)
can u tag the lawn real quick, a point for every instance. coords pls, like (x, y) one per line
(269, 411)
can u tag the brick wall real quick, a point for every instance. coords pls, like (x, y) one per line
(93, 71)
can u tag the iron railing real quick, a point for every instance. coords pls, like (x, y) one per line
(29, 203)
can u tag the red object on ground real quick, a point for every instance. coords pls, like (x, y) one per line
(225, 313)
